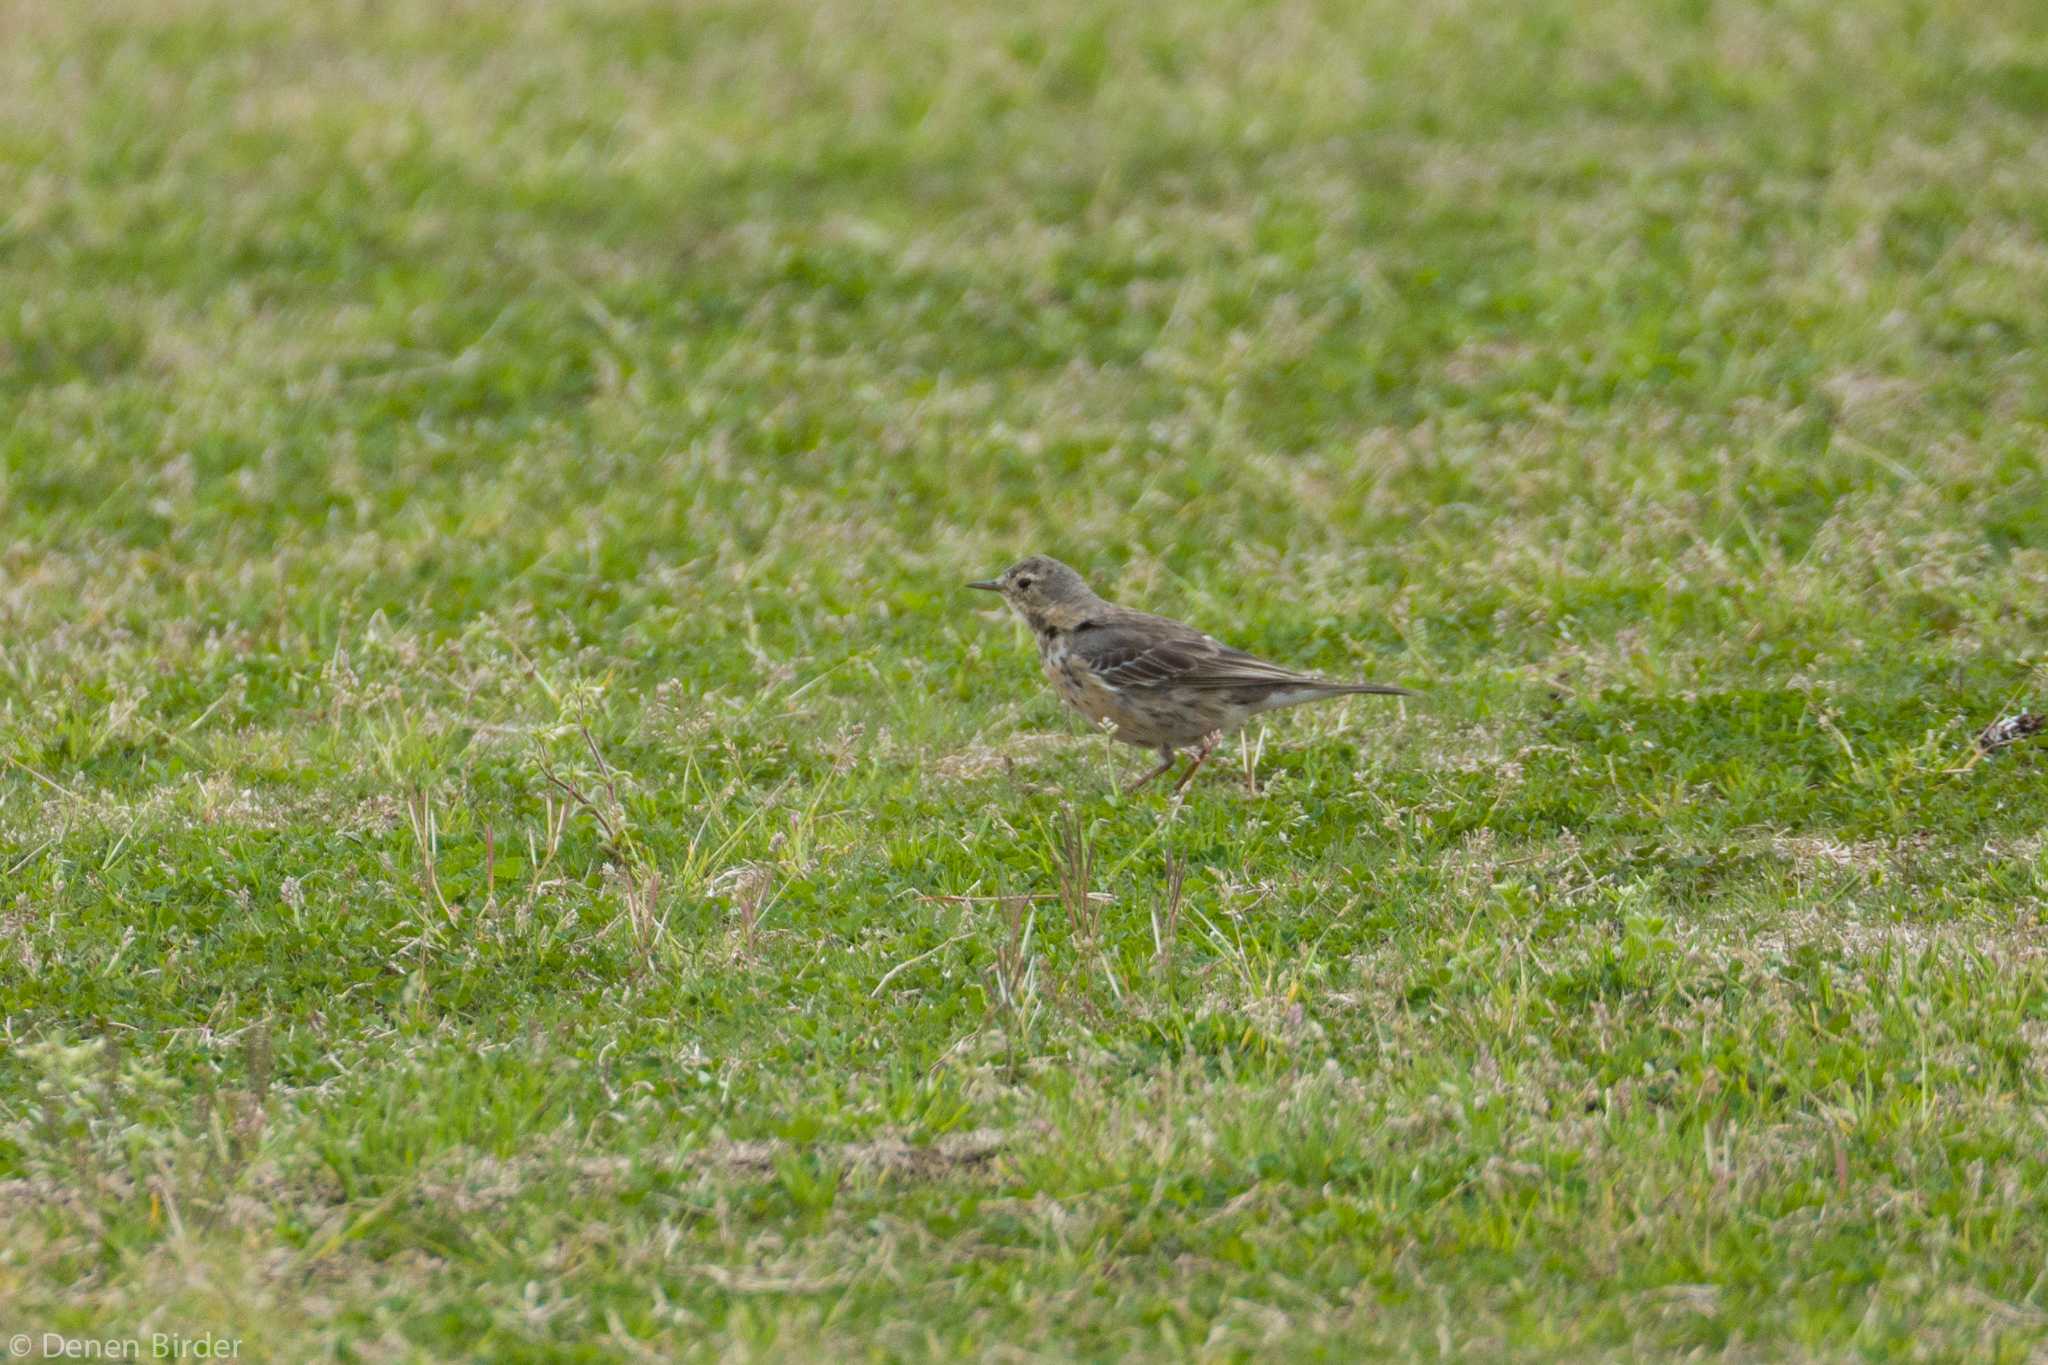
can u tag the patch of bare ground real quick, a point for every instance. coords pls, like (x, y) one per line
(469, 1183)
(979, 760)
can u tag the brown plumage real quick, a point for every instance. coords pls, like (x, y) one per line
(1159, 684)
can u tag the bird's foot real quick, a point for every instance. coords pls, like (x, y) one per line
(1209, 743)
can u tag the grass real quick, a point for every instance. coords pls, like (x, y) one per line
(514, 845)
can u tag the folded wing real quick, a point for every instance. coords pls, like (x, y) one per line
(1151, 652)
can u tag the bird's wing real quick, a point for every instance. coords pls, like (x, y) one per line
(1143, 652)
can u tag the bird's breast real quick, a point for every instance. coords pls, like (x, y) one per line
(1148, 719)
(1078, 685)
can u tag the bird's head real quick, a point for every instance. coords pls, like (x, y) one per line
(1039, 589)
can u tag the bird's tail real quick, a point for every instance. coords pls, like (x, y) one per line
(1322, 689)
(1371, 689)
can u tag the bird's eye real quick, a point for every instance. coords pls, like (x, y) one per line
(1026, 581)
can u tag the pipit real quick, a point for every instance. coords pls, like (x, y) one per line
(1157, 683)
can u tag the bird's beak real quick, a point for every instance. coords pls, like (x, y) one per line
(987, 585)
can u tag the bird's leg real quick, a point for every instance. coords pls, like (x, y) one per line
(1209, 743)
(1165, 762)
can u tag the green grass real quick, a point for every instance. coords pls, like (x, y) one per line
(410, 413)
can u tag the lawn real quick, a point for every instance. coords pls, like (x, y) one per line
(516, 844)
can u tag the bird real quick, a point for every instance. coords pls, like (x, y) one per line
(1152, 681)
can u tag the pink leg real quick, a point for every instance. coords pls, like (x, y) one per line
(1165, 762)
(1209, 743)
